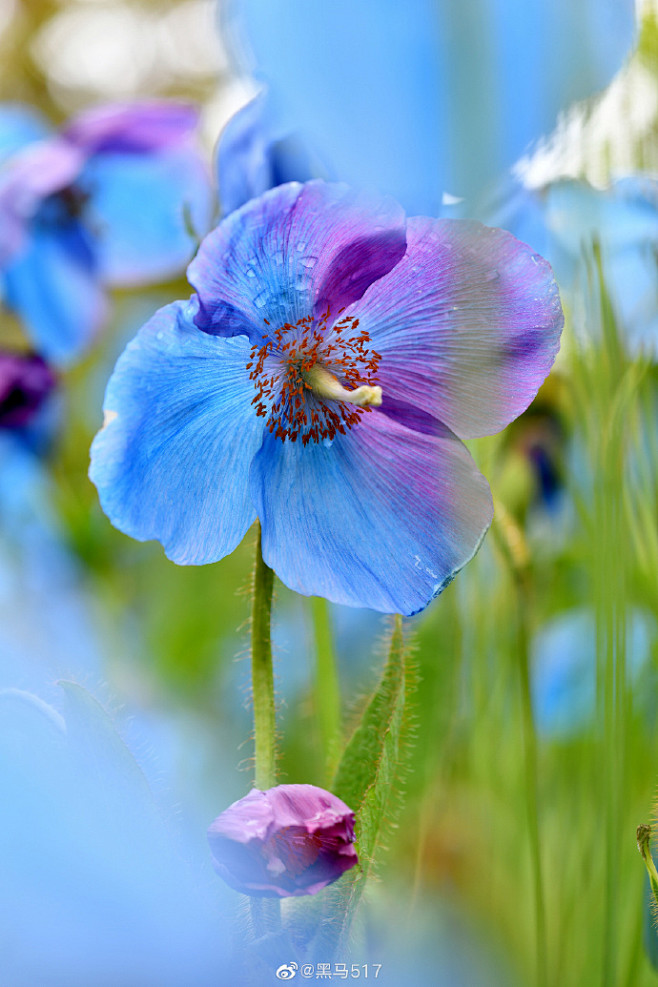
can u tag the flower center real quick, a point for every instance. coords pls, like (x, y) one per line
(314, 378)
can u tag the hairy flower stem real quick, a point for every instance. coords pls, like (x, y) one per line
(265, 912)
(327, 690)
(512, 542)
(262, 673)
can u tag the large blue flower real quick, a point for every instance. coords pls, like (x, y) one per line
(320, 380)
(100, 204)
(433, 95)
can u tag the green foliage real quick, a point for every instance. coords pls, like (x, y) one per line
(370, 775)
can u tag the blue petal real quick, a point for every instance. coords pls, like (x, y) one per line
(431, 96)
(139, 206)
(293, 252)
(172, 460)
(252, 158)
(382, 517)
(19, 125)
(53, 287)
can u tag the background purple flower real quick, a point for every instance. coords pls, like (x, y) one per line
(289, 840)
(101, 204)
(458, 323)
(25, 382)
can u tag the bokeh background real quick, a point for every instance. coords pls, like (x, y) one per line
(108, 879)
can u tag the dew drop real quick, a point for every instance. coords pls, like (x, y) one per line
(309, 261)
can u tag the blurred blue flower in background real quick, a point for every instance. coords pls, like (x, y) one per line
(426, 97)
(101, 883)
(252, 157)
(379, 503)
(564, 219)
(103, 203)
(564, 669)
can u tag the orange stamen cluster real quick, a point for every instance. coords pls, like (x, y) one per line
(280, 366)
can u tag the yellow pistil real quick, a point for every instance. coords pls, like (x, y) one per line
(325, 385)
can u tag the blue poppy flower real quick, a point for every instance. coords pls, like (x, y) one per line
(100, 204)
(425, 97)
(564, 219)
(321, 379)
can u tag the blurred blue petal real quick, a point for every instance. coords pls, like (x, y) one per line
(109, 200)
(53, 284)
(252, 157)
(103, 887)
(137, 209)
(564, 219)
(19, 125)
(564, 668)
(428, 97)
(47, 625)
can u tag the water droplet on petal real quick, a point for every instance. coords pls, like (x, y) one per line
(309, 261)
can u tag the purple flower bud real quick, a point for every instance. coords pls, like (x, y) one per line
(25, 381)
(289, 840)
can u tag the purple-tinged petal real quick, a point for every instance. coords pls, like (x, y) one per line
(52, 285)
(34, 174)
(293, 252)
(468, 325)
(139, 207)
(172, 460)
(290, 840)
(382, 517)
(25, 382)
(133, 127)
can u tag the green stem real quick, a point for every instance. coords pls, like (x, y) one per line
(532, 800)
(327, 689)
(512, 542)
(262, 673)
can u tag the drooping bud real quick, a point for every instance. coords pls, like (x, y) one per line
(287, 841)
